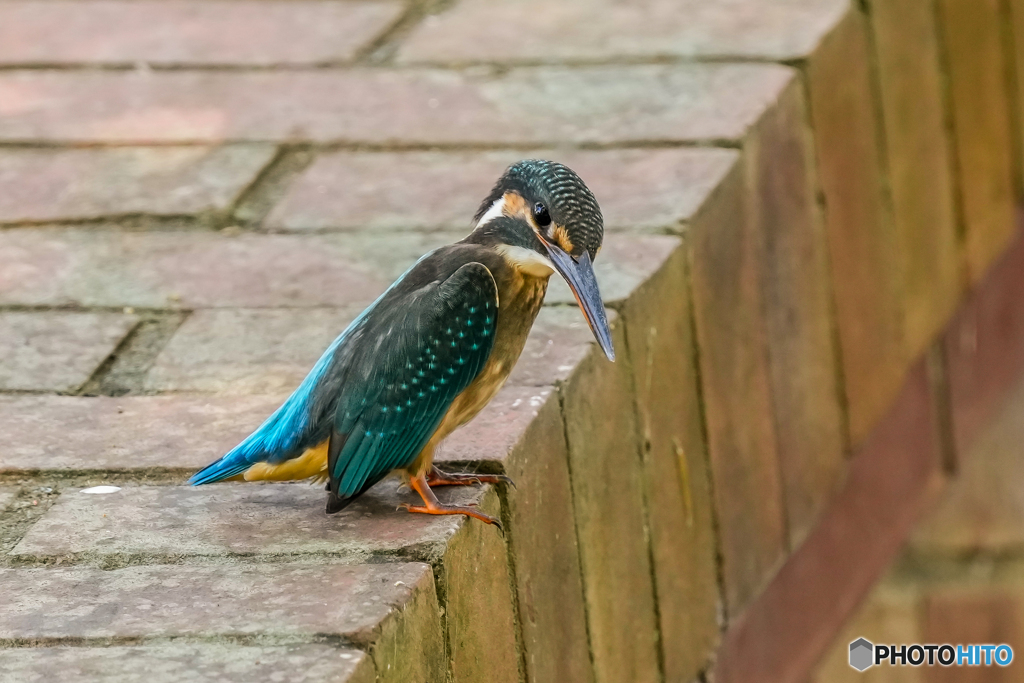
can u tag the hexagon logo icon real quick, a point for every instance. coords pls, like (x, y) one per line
(861, 654)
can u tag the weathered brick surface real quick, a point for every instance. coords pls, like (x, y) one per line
(894, 476)
(797, 306)
(56, 351)
(984, 347)
(246, 351)
(282, 599)
(982, 510)
(201, 663)
(638, 189)
(7, 495)
(39, 185)
(608, 494)
(499, 428)
(552, 614)
(919, 163)
(980, 100)
(480, 609)
(600, 29)
(679, 505)
(231, 519)
(192, 269)
(861, 242)
(725, 272)
(126, 433)
(185, 32)
(411, 648)
(595, 105)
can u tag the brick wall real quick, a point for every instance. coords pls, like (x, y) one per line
(812, 260)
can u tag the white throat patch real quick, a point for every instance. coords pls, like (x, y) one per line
(527, 260)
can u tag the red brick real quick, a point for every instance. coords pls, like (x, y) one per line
(246, 351)
(919, 162)
(637, 189)
(126, 433)
(962, 616)
(192, 269)
(984, 347)
(725, 255)
(802, 358)
(56, 351)
(198, 663)
(982, 511)
(278, 600)
(601, 29)
(861, 240)
(233, 519)
(983, 137)
(38, 185)
(185, 32)
(892, 478)
(608, 483)
(595, 105)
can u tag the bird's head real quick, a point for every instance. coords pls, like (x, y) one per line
(543, 218)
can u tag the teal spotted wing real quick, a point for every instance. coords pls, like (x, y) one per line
(419, 355)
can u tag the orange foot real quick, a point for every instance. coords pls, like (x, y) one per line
(432, 506)
(436, 477)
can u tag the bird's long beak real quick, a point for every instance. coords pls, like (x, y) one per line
(579, 273)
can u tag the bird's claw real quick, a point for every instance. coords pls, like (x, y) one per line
(504, 479)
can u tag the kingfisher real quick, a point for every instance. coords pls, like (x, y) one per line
(433, 349)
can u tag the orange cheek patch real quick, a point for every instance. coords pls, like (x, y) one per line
(562, 238)
(515, 206)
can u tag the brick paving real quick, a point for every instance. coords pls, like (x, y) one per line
(196, 197)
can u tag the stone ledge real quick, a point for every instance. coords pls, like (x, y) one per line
(598, 105)
(649, 190)
(190, 269)
(267, 520)
(48, 185)
(200, 663)
(55, 350)
(189, 33)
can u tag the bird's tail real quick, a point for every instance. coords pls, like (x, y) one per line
(274, 440)
(237, 460)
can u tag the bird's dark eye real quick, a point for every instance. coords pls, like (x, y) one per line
(541, 215)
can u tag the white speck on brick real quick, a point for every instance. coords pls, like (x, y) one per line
(102, 489)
